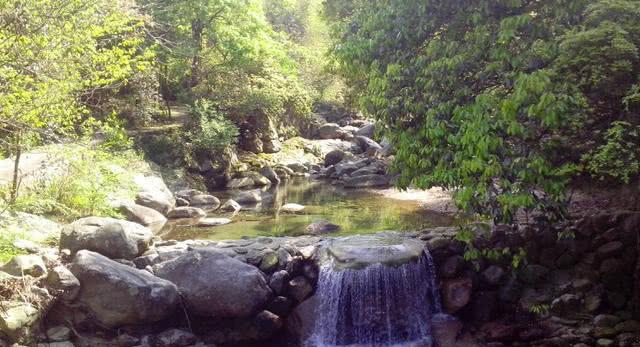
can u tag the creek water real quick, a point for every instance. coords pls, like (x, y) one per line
(356, 211)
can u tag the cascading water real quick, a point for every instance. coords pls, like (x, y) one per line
(375, 294)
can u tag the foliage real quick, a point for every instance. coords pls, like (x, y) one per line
(488, 98)
(619, 157)
(211, 130)
(83, 182)
(539, 309)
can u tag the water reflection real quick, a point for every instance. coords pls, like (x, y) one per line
(356, 211)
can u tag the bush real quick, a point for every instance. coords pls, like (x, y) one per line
(210, 129)
(618, 158)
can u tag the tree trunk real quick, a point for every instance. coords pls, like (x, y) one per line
(197, 28)
(15, 185)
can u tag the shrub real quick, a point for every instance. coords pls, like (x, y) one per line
(210, 129)
(618, 158)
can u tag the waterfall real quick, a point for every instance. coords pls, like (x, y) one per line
(376, 306)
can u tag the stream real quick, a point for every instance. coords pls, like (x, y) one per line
(356, 211)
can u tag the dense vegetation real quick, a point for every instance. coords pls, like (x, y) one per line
(504, 101)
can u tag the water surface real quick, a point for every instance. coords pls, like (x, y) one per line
(356, 211)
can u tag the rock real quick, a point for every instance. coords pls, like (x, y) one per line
(56, 344)
(186, 212)
(259, 180)
(58, 334)
(18, 321)
(321, 227)
(280, 305)
(267, 324)
(499, 331)
(271, 145)
(155, 200)
(210, 201)
(174, 338)
(269, 262)
(565, 304)
(628, 326)
(291, 208)
(456, 294)
(270, 174)
(605, 343)
(248, 197)
(301, 321)
(180, 202)
(532, 274)
(366, 181)
(116, 239)
(146, 216)
(492, 275)
(368, 170)
(278, 281)
(117, 295)
(330, 131)
(230, 206)
(367, 130)
(215, 285)
(188, 194)
(213, 222)
(25, 265)
(299, 289)
(451, 266)
(606, 320)
(367, 144)
(333, 157)
(298, 168)
(610, 249)
(61, 282)
(241, 182)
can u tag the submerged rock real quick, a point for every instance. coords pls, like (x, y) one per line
(118, 295)
(321, 227)
(215, 285)
(114, 238)
(213, 222)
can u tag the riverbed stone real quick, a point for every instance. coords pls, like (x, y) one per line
(456, 293)
(565, 304)
(62, 283)
(291, 208)
(610, 249)
(333, 157)
(230, 206)
(213, 222)
(215, 285)
(248, 197)
(270, 174)
(330, 131)
(25, 265)
(355, 252)
(155, 200)
(321, 227)
(145, 216)
(114, 238)
(606, 320)
(367, 144)
(367, 181)
(299, 289)
(367, 130)
(240, 182)
(18, 321)
(174, 338)
(118, 295)
(187, 212)
(210, 202)
(58, 333)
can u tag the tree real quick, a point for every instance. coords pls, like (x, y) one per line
(491, 99)
(55, 55)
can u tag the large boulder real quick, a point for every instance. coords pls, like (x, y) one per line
(270, 174)
(240, 182)
(248, 197)
(205, 201)
(367, 181)
(146, 216)
(456, 293)
(156, 200)
(331, 131)
(367, 144)
(111, 237)
(333, 157)
(119, 295)
(367, 130)
(215, 285)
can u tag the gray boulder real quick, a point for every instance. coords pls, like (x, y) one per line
(367, 144)
(366, 181)
(331, 131)
(333, 157)
(215, 285)
(248, 197)
(270, 174)
(230, 206)
(187, 212)
(209, 201)
(321, 227)
(240, 182)
(62, 283)
(114, 238)
(29, 265)
(155, 200)
(146, 216)
(367, 130)
(118, 295)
